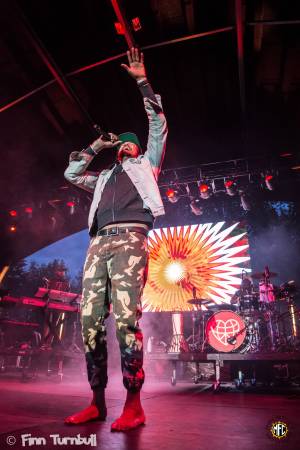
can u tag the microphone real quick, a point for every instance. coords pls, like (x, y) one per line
(106, 136)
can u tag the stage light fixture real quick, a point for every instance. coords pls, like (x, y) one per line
(13, 213)
(172, 195)
(245, 201)
(71, 205)
(205, 191)
(231, 187)
(119, 28)
(136, 24)
(196, 207)
(28, 210)
(13, 228)
(269, 182)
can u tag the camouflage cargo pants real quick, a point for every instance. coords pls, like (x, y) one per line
(121, 262)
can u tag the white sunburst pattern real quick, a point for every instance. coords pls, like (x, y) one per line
(208, 257)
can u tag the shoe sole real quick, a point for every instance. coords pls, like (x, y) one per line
(113, 430)
(96, 419)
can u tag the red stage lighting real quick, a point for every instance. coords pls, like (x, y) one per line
(13, 213)
(136, 24)
(269, 182)
(172, 195)
(13, 228)
(205, 191)
(119, 28)
(71, 205)
(203, 187)
(230, 187)
(28, 210)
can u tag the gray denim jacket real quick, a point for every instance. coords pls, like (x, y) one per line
(143, 170)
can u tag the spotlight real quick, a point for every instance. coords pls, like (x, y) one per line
(205, 191)
(136, 24)
(245, 201)
(119, 28)
(13, 213)
(172, 195)
(28, 210)
(13, 228)
(269, 181)
(231, 187)
(71, 205)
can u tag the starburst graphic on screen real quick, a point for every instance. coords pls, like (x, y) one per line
(204, 259)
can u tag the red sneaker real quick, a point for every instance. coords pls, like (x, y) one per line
(86, 415)
(130, 418)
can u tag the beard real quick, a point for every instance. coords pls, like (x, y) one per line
(126, 152)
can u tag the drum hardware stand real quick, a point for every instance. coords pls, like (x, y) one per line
(198, 339)
(178, 343)
(217, 383)
(52, 338)
(198, 302)
(194, 342)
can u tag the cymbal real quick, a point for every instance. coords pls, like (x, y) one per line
(261, 275)
(199, 301)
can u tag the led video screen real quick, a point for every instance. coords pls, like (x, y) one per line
(202, 261)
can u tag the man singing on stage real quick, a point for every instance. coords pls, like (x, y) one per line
(126, 200)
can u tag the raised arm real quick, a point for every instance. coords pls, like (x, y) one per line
(76, 172)
(158, 129)
(157, 137)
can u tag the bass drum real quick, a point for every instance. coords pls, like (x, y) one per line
(225, 331)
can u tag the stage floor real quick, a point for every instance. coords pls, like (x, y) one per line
(187, 416)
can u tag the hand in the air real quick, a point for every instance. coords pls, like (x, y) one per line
(136, 68)
(100, 144)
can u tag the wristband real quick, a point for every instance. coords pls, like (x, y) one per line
(142, 81)
(90, 151)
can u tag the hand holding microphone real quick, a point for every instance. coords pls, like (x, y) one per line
(102, 142)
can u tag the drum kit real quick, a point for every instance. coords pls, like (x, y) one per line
(263, 319)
